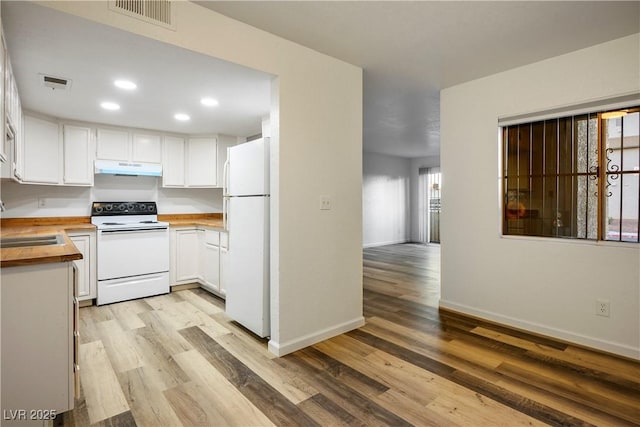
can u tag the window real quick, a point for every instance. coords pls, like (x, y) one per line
(573, 177)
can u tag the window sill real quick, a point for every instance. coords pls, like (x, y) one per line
(559, 240)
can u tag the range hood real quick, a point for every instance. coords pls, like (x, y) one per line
(115, 167)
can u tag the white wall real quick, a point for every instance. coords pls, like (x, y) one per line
(316, 140)
(385, 199)
(21, 200)
(545, 285)
(416, 164)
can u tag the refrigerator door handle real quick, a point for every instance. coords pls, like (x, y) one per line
(225, 177)
(225, 209)
(225, 192)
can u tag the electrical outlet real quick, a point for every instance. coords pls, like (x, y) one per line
(42, 203)
(325, 203)
(603, 307)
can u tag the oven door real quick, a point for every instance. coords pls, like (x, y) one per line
(132, 252)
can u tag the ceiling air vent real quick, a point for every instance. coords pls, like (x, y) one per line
(157, 12)
(55, 82)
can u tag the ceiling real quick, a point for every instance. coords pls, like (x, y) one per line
(411, 50)
(170, 79)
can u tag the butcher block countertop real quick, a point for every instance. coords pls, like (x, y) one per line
(35, 227)
(46, 226)
(213, 220)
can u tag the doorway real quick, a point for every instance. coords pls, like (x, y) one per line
(430, 191)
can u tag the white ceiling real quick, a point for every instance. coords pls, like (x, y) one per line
(411, 50)
(170, 79)
(408, 50)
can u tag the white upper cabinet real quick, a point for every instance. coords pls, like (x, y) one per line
(4, 156)
(11, 123)
(41, 147)
(78, 155)
(190, 162)
(56, 154)
(173, 161)
(146, 148)
(125, 146)
(112, 144)
(201, 162)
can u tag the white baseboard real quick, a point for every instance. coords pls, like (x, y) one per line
(595, 343)
(299, 343)
(391, 242)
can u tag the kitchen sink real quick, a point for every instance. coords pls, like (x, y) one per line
(28, 241)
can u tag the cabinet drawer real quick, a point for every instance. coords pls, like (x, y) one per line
(212, 237)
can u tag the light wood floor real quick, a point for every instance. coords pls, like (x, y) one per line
(177, 360)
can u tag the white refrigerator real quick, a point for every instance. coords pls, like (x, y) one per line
(246, 212)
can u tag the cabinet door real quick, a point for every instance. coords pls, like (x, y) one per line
(37, 337)
(224, 256)
(211, 267)
(82, 242)
(173, 162)
(41, 151)
(187, 259)
(113, 145)
(78, 161)
(8, 87)
(146, 148)
(4, 156)
(201, 162)
(87, 274)
(17, 149)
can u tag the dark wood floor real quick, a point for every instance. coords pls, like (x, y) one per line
(177, 360)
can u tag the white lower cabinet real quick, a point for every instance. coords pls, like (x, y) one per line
(87, 273)
(197, 257)
(185, 260)
(210, 260)
(39, 341)
(224, 257)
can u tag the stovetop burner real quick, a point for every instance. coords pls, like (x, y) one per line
(123, 208)
(125, 215)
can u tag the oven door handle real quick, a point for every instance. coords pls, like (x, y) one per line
(128, 230)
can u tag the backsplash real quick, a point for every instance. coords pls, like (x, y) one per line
(26, 200)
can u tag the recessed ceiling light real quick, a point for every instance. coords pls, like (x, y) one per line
(182, 117)
(125, 84)
(110, 106)
(209, 102)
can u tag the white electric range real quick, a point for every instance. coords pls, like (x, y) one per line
(133, 251)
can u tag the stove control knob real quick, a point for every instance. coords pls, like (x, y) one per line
(130, 207)
(98, 209)
(108, 207)
(143, 207)
(122, 207)
(152, 208)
